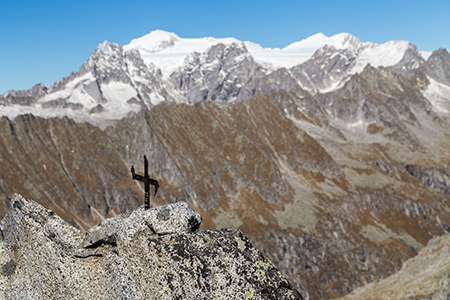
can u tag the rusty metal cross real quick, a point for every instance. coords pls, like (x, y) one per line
(147, 181)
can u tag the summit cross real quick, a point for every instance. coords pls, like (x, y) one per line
(147, 182)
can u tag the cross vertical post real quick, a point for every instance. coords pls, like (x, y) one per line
(147, 184)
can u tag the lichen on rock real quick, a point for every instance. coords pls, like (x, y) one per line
(145, 254)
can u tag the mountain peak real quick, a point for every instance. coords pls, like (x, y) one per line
(316, 41)
(316, 36)
(104, 56)
(155, 41)
(107, 47)
(346, 40)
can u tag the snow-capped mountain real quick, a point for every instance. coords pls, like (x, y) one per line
(161, 66)
(167, 51)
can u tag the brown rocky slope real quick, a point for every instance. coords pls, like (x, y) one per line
(329, 223)
(424, 277)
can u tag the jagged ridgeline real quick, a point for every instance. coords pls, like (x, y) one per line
(336, 166)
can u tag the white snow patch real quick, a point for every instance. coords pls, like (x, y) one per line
(112, 112)
(439, 95)
(118, 92)
(425, 54)
(156, 98)
(15, 110)
(68, 90)
(359, 123)
(384, 55)
(334, 86)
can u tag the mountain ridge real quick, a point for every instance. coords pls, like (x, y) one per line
(338, 177)
(112, 70)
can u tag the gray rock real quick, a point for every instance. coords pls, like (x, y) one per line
(153, 254)
(224, 73)
(172, 218)
(438, 66)
(327, 66)
(25, 97)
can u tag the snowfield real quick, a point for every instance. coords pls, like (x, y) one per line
(167, 51)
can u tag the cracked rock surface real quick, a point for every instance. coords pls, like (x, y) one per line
(153, 254)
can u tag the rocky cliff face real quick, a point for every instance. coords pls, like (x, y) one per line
(223, 73)
(63, 169)
(153, 254)
(424, 277)
(337, 169)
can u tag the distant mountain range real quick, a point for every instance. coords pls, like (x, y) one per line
(161, 66)
(331, 153)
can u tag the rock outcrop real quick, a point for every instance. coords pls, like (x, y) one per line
(145, 254)
(424, 277)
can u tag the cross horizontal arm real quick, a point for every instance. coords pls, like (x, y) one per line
(139, 177)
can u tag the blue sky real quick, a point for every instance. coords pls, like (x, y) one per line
(43, 41)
